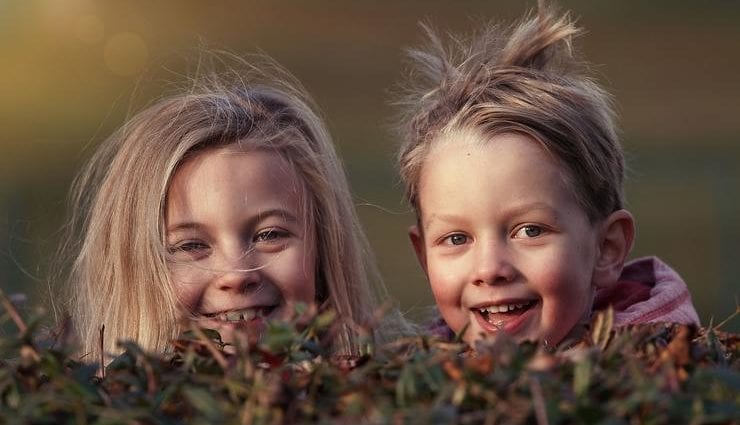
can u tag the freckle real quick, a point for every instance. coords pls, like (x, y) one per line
(467, 154)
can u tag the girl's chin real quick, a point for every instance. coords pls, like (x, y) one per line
(240, 332)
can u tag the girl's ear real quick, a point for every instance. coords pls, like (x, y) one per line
(417, 240)
(615, 243)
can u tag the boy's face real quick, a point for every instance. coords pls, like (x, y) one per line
(504, 243)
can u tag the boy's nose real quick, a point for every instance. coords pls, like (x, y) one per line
(493, 265)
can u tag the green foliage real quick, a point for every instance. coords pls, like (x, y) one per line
(657, 374)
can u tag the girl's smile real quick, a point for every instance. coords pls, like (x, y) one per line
(250, 321)
(239, 249)
(241, 314)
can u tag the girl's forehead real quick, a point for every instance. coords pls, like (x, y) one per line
(245, 174)
(239, 156)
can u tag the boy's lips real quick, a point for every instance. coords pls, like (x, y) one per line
(505, 315)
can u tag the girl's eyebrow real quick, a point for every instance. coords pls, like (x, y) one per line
(281, 213)
(277, 212)
(184, 226)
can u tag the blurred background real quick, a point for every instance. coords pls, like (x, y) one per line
(72, 70)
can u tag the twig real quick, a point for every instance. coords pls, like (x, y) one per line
(27, 349)
(12, 312)
(217, 355)
(102, 351)
(538, 401)
(151, 380)
(732, 316)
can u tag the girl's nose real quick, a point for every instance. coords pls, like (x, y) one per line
(237, 281)
(238, 274)
(493, 265)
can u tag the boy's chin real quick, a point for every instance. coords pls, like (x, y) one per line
(476, 334)
(549, 340)
(526, 327)
(472, 338)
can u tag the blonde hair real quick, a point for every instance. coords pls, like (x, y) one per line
(119, 276)
(527, 80)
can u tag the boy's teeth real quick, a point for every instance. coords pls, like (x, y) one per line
(503, 308)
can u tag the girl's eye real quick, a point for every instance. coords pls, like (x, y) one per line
(457, 239)
(190, 246)
(189, 251)
(269, 235)
(529, 231)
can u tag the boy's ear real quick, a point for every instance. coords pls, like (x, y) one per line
(615, 242)
(417, 241)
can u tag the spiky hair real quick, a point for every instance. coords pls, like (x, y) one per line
(526, 79)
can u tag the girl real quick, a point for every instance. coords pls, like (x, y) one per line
(512, 164)
(227, 205)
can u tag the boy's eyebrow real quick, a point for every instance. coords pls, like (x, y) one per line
(524, 208)
(512, 212)
(440, 217)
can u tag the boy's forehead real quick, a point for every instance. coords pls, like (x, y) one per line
(471, 168)
(461, 137)
(475, 140)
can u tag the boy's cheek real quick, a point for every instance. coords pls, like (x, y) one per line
(447, 295)
(417, 242)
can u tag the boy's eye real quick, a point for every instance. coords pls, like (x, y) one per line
(457, 239)
(529, 231)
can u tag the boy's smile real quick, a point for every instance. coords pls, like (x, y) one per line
(504, 243)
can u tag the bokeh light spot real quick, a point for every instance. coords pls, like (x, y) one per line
(126, 54)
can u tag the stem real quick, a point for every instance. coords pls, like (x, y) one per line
(12, 312)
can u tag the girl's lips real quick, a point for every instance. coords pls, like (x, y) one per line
(246, 330)
(235, 316)
(505, 316)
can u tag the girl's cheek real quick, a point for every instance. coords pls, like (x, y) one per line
(295, 275)
(187, 296)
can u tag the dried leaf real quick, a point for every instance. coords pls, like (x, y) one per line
(452, 370)
(602, 328)
(678, 350)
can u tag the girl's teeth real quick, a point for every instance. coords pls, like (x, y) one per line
(238, 315)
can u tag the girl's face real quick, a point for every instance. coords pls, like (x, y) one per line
(503, 242)
(239, 249)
